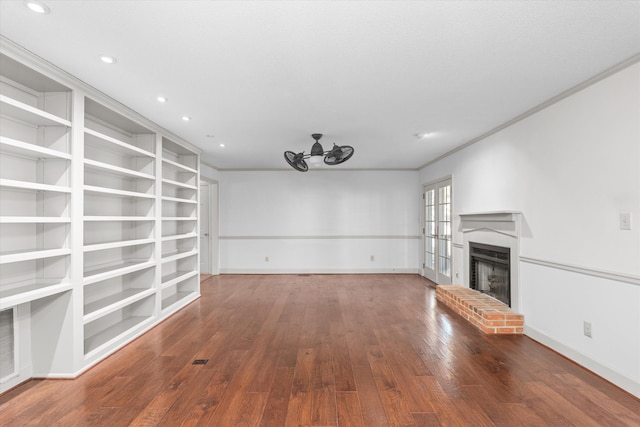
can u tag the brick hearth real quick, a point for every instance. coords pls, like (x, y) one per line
(484, 312)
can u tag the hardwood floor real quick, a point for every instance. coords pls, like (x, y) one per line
(324, 350)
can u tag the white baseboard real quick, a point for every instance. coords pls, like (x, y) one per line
(22, 376)
(319, 271)
(609, 374)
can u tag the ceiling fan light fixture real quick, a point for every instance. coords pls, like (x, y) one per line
(316, 149)
(316, 160)
(317, 152)
(335, 156)
(296, 161)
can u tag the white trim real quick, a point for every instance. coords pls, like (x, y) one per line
(49, 70)
(490, 216)
(549, 102)
(619, 277)
(471, 230)
(339, 169)
(433, 274)
(209, 180)
(206, 221)
(321, 237)
(207, 164)
(605, 372)
(436, 181)
(320, 271)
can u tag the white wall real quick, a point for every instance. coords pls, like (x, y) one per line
(320, 221)
(571, 169)
(208, 172)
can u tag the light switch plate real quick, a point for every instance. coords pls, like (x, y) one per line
(625, 221)
(587, 329)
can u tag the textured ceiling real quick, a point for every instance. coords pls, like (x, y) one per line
(262, 76)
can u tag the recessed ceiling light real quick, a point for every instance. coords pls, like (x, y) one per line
(162, 99)
(186, 118)
(37, 7)
(423, 135)
(108, 59)
(221, 145)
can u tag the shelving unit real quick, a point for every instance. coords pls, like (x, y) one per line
(35, 188)
(98, 220)
(179, 236)
(179, 292)
(119, 182)
(108, 329)
(106, 296)
(34, 181)
(127, 265)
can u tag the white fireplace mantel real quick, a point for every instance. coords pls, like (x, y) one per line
(503, 222)
(498, 228)
(495, 216)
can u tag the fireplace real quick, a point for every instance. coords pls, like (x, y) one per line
(490, 270)
(501, 229)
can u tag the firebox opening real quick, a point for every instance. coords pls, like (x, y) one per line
(490, 270)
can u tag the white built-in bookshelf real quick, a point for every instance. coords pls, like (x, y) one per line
(98, 221)
(179, 239)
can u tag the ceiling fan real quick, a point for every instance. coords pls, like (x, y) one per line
(338, 154)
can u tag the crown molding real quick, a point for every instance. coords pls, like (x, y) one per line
(44, 67)
(567, 93)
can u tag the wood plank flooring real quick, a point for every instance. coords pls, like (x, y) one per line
(323, 350)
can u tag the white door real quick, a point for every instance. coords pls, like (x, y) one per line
(205, 224)
(437, 232)
(213, 228)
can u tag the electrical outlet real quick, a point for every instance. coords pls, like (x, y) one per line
(266, 259)
(587, 329)
(457, 275)
(373, 258)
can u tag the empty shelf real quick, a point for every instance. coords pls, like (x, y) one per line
(25, 149)
(30, 290)
(26, 113)
(102, 273)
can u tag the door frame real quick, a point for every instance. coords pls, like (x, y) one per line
(434, 275)
(214, 212)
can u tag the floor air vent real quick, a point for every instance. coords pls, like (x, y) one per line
(200, 362)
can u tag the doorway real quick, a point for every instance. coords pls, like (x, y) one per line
(437, 232)
(208, 227)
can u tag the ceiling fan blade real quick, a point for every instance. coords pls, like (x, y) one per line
(338, 154)
(296, 161)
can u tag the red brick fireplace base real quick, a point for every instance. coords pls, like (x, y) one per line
(484, 312)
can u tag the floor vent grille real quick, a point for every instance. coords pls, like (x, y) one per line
(200, 362)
